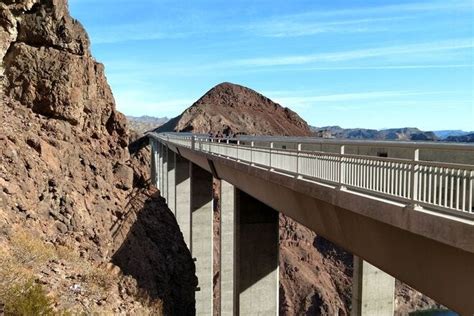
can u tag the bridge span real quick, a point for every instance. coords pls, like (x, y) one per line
(404, 209)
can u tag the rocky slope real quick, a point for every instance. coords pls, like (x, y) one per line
(233, 109)
(315, 275)
(69, 186)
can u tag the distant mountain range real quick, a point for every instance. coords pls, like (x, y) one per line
(406, 133)
(145, 123)
(141, 124)
(451, 133)
(466, 138)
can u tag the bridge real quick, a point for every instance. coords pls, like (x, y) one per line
(404, 209)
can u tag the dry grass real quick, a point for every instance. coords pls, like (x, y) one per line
(98, 279)
(67, 253)
(21, 261)
(28, 250)
(11, 273)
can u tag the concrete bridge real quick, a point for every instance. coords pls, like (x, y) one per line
(404, 209)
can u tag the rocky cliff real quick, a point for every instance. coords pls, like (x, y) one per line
(315, 275)
(72, 197)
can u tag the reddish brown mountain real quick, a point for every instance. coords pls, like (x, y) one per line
(230, 108)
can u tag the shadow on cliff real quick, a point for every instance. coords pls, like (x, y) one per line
(149, 246)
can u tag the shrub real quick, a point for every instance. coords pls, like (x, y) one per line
(97, 277)
(27, 299)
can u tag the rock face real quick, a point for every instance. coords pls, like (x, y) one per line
(66, 172)
(233, 109)
(48, 67)
(315, 275)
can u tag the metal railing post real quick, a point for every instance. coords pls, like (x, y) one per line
(193, 142)
(414, 177)
(342, 167)
(298, 172)
(238, 145)
(252, 144)
(470, 193)
(270, 157)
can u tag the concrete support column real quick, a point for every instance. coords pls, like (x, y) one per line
(154, 162)
(201, 237)
(257, 257)
(160, 167)
(373, 290)
(183, 197)
(171, 181)
(164, 190)
(229, 290)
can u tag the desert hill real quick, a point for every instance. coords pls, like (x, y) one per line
(233, 109)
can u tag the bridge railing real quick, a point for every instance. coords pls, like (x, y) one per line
(436, 185)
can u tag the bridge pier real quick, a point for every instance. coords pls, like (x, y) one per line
(154, 162)
(164, 189)
(202, 237)
(258, 256)
(249, 255)
(183, 197)
(373, 291)
(171, 201)
(159, 148)
(158, 164)
(228, 260)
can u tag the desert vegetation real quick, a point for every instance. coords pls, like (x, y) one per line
(39, 278)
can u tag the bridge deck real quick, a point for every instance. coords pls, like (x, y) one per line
(439, 186)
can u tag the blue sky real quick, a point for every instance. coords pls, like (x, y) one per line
(372, 64)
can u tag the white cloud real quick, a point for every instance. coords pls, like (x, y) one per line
(294, 28)
(354, 20)
(384, 67)
(306, 99)
(357, 54)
